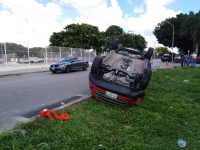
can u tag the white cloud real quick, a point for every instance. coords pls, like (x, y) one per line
(35, 26)
(139, 9)
(129, 2)
(32, 27)
(146, 22)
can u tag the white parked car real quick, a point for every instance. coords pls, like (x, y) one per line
(38, 60)
(1, 61)
(23, 60)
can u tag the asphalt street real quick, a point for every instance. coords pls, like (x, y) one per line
(23, 93)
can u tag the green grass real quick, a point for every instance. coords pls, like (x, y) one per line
(170, 111)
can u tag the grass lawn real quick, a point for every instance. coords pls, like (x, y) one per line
(170, 111)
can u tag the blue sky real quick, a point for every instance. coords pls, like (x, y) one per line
(32, 22)
(184, 5)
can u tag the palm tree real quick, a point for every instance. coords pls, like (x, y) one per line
(192, 25)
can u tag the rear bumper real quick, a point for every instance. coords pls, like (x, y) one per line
(125, 96)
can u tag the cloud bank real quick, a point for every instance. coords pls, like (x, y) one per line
(32, 23)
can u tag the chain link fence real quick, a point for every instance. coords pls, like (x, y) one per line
(12, 55)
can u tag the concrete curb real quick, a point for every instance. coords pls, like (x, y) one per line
(25, 71)
(68, 105)
(40, 118)
(166, 68)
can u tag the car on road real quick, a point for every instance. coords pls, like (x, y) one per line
(68, 64)
(166, 57)
(177, 59)
(121, 76)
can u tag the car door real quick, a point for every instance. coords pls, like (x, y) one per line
(74, 64)
(80, 63)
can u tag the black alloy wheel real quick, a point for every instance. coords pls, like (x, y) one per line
(84, 67)
(68, 69)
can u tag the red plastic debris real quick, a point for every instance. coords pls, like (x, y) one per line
(47, 113)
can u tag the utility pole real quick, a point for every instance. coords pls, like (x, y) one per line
(172, 39)
(131, 31)
(154, 49)
(5, 54)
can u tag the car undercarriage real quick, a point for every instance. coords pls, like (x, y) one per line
(123, 72)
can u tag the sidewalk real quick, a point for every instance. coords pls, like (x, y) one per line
(23, 69)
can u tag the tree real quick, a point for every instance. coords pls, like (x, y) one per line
(37, 52)
(127, 40)
(132, 40)
(113, 31)
(161, 50)
(192, 25)
(164, 31)
(18, 49)
(79, 36)
(140, 42)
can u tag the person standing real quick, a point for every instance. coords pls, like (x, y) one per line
(193, 61)
(190, 60)
(185, 57)
(182, 59)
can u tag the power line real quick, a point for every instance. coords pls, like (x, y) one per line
(33, 12)
(86, 14)
(90, 11)
(94, 18)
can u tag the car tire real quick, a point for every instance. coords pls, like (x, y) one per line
(84, 67)
(54, 71)
(95, 65)
(149, 53)
(145, 78)
(68, 69)
(115, 44)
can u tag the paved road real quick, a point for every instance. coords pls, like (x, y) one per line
(22, 96)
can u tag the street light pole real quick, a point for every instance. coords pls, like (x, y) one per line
(172, 39)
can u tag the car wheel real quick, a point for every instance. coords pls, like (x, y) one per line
(95, 65)
(84, 67)
(145, 78)
(149, 53)
(67, 69)
(54, 71)
(115, 44)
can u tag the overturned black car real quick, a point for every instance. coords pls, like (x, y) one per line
(121, 77)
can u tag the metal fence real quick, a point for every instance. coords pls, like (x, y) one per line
(53, 53)
(50, 54)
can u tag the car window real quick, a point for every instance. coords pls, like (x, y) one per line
(75, 59)
(65, 60)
